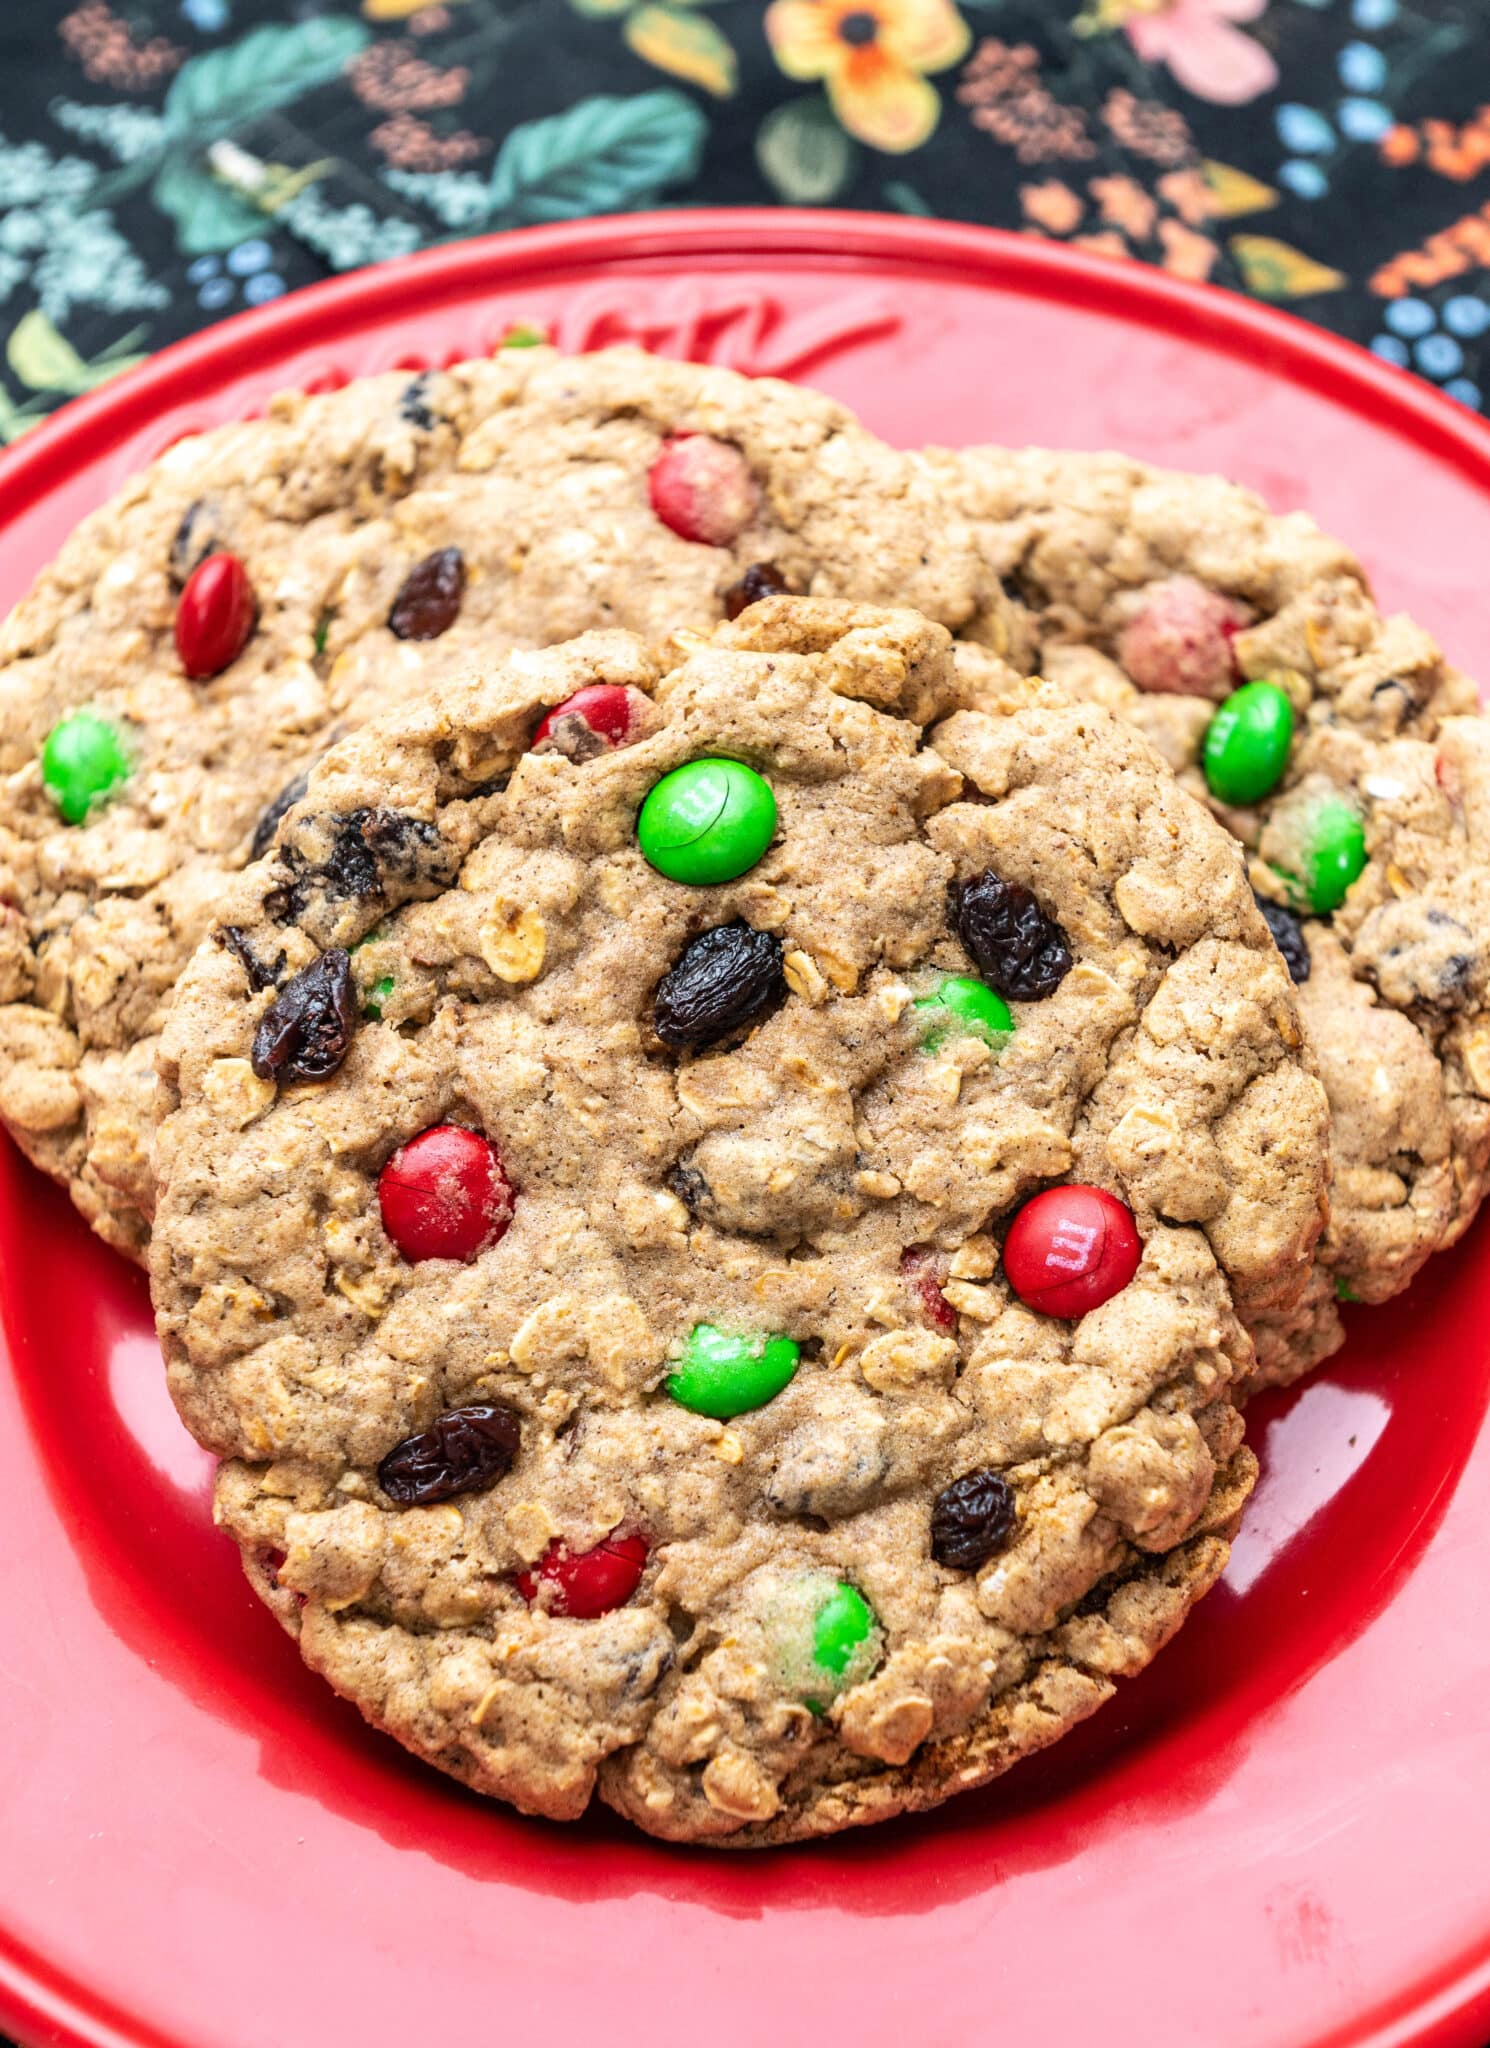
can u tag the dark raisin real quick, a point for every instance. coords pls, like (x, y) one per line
(233, 939)
(923, 1271)
(761, 579)
(724, 980)
(306, 1034)
(971, 1520)
(428, 602)
(690, 1187)
(414, 405)
(195, 539)
(1018, 950)
(1288, 937)
(374, 847)
(373, 853)
(465, 1450)
(268, 824)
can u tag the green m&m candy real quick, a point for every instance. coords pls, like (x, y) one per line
(83, 758)
(825, 1637)
(1330, 853)
(707, 822)
(377, 995)
(1246, 744)
(724, 1374)
(962, 1007)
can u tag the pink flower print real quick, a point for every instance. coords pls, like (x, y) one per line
(1208, 56)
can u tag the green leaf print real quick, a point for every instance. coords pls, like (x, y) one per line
(600, 156)
(268, 68)
(43, 359)
(208, 214)
(804, 153)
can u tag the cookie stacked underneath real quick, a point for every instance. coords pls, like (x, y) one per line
(706, 1214)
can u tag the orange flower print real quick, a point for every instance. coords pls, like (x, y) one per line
(1053, 206)
(1186, 254)
(1190, 195)
(872, 56)
(1107, 243)
(1125, 205)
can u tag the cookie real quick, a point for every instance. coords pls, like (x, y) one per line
(264, 588)
(706, 1212)
(1341, 749)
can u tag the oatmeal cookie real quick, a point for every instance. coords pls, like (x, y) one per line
(264, 588)
(706, 1212)
(1342, 750)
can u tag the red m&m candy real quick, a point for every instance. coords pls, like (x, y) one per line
(1070, 1249)
(584, 1583)
(703, 489)
(444, 1195)
(215, 616)
(599, 716)
(1182, 640)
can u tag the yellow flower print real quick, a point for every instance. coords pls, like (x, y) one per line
(399, 10)
(872, 55)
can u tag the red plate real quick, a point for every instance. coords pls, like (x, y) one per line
(1277, 1839)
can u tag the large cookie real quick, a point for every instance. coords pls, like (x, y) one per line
(390, 533)
(667, 1420)
(1157, 595)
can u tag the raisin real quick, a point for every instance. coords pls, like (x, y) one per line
(429, 599)
(233, 939)
(195, 539)
(1288, 937)
(691, 1189)
(924, 1270)
(971, 1520)
(268, 823)
(370, 849)
(306, 1034)
(414, 405)
(761, 579)
(373, 845)
(1018, 950)
(465, 1450)
(724, 980)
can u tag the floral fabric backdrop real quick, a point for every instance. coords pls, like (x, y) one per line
(164, 162)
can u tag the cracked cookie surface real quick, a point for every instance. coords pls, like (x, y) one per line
(718, 1594)
(391, 533)
(1157, 594)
